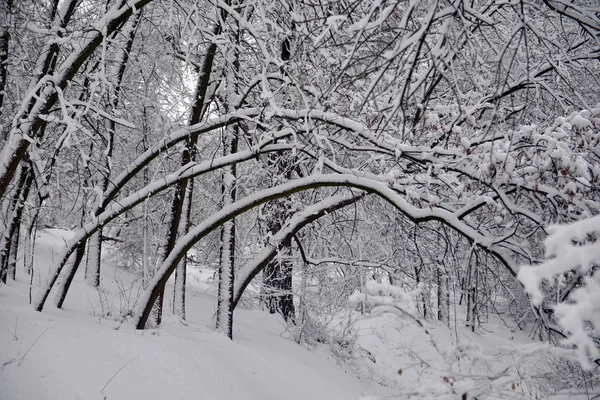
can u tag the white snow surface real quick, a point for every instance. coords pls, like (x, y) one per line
(74, 354)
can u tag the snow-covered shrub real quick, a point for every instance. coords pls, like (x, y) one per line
(556, 374)
(433, 363)
(335, 333)
(572, 249)
(388, 298)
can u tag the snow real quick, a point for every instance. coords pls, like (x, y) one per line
(567, 248)
(80, 355)
(89, 350)
(430, 361)
(186, 242)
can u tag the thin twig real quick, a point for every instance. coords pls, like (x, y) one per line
(14, 334)
(30, 347)
(119, 370)
(8, 362)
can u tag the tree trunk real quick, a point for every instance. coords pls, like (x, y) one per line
(468, 292)
(92, 261)
(471, 288)
(68, 275)
(443, 297)
(302, 299)
(179, 289)
(224, 317)
(16, 225)
(171, 239)
(181, 270)
(4, 42)
(13, 254)
(224, 321)
(29, 249)
(475, 297)
(13, 213)
(276, 294)
(277, 284)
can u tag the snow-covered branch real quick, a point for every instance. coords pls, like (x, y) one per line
(573, 248)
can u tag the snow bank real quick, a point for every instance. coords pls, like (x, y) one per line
(72, 354)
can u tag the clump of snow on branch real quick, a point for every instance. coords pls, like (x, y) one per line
(572, 247)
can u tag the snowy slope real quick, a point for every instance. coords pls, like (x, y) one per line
(83, 352)
(72, 354)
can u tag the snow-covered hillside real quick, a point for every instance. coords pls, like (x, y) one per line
(76, 353)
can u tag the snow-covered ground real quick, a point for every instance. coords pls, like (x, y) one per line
(76, 353)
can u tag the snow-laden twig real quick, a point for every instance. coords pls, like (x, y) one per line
(573, 247)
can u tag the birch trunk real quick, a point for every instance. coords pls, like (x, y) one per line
(224, 318)
(181, 270)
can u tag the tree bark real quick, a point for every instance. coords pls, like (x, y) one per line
(4, 42)
(276, 293)
(224, 320)
(14, 213)
(69, 275)
(224, 317)
(16, 226)
(181, 270)
(443, 297)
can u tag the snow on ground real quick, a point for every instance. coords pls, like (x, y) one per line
(83, 352)
(76, 354)
(426, 362)
(431, 361)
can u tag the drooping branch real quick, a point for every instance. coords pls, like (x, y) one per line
(413, 213)
(127, 203)
(175, 138)
(298, 221)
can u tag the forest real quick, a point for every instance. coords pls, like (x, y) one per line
(320, 164)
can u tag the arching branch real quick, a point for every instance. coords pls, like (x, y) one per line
(127, 203)
(298, 221)
(331, 180)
